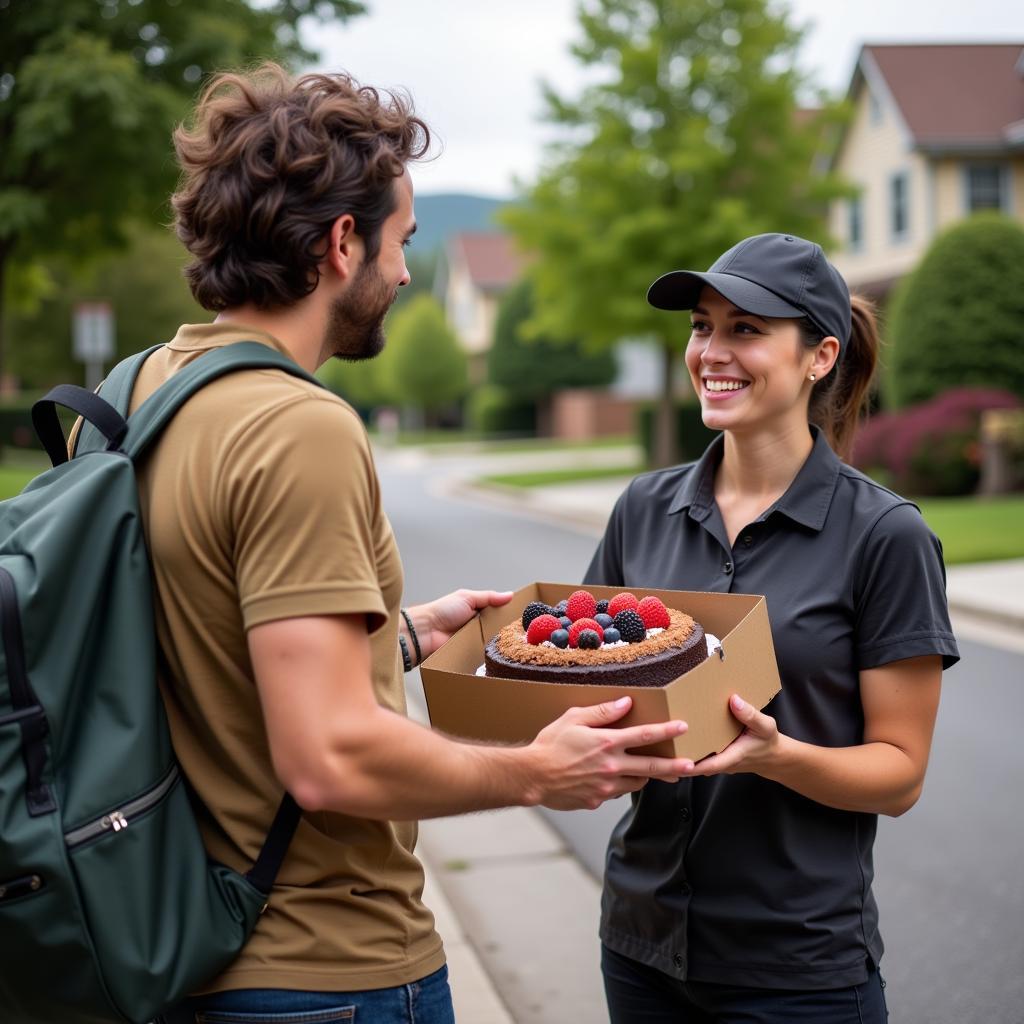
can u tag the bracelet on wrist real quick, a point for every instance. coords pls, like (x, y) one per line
(406, 660)
(412, 635)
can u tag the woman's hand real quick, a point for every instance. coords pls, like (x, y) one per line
(437, 621)
(754, 750)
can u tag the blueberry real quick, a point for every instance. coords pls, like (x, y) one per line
(611, 635)
(565, 621)
(603, 620)
(561, 608)
(560, 638)
(588, 640)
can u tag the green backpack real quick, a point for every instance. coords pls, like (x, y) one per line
(110, 909)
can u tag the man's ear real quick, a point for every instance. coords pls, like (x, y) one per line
(344, 247)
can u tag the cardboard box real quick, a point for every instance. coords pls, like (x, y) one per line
(464, 704)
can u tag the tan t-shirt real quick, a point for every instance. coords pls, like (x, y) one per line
(261, 502)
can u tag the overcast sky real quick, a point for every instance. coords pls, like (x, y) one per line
(473, 66)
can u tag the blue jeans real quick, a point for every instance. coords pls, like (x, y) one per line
(427, 1001)
(638, 994)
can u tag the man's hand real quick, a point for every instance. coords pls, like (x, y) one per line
(437, 621)
(579, 762)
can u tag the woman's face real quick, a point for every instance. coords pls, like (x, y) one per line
(750, 372)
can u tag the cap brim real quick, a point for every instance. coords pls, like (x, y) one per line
(680, 289)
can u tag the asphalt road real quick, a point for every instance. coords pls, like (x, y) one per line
(949, 877)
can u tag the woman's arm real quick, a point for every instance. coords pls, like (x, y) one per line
(883, 775)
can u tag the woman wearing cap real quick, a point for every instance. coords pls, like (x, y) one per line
(743, 892)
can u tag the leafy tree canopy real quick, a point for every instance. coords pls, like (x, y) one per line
(428, 366)
(532, 369)
(956, 319)
(688, 140)
(89, 93)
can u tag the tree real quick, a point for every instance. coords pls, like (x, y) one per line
(429, 368)
(89, 93)
(533, 370)
(688, 142)
(956, 320)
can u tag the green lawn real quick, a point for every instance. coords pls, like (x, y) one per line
(977, 529)
(14, 478)
(549, 477)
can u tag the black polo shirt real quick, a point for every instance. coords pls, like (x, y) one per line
(735, 879)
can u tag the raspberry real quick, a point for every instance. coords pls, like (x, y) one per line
(581, 606)
(579, 626)
(541, 628)
(532, 610)
(654, 613)
(588, 640)
(630, 626)
(621, 602)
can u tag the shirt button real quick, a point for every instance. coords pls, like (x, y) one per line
(748, 540)
(684, 813)
(678, 961)
(727, 568)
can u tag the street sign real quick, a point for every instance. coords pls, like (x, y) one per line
(93, 334)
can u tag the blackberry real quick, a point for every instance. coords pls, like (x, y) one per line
(588, 640)
(602, 607)
(560, 609)
(603, 619)
(611, 635)
(630, 626)
(560, 638)
(532, 610)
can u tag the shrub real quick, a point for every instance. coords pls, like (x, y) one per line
(956, 320)
(492, 410)
(932, 448)
(691, 434)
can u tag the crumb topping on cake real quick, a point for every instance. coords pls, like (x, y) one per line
(512, 644)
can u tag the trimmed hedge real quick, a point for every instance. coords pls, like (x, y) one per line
(692, 436)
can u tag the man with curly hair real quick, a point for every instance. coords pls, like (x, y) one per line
(278, 579)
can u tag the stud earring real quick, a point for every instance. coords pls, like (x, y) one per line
(812, 377)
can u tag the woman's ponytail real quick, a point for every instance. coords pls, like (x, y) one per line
(838, 400)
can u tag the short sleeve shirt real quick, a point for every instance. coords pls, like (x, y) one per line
(735, 879)
(261, 502)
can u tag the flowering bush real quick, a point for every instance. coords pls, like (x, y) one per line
(931, 448)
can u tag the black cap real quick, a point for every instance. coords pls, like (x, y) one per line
(769, 275)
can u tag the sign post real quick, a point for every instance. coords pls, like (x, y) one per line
(93, 339)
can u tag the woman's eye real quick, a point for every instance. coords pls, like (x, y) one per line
(742, 328)
(699, 326)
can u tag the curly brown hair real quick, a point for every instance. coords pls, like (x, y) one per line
(269, 163)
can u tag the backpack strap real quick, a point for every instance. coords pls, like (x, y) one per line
(146, 423)
(116, 391)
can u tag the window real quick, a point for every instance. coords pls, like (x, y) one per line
(855, 227)
(898, 206)
(986, 187)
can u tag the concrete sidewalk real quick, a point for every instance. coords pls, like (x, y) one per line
(517, 910)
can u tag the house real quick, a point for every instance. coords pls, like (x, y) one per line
(475, 270)
(937, 133)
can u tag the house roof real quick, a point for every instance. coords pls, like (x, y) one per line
(954, 96)
(491, 258)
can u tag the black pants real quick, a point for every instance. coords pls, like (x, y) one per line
(638, 994)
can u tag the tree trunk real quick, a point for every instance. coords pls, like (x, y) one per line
(4, 254)
(666, 444)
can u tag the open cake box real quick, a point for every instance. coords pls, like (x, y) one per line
(488, 708)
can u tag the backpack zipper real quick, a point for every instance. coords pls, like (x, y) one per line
(119, 819)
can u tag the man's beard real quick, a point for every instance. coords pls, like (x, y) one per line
(355, 326)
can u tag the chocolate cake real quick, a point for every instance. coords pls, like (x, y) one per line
(662, 655)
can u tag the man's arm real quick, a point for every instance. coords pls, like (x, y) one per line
(335, 748)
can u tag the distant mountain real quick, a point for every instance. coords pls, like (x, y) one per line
(443, 214)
